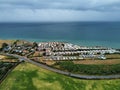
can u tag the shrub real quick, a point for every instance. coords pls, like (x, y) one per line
(90, 69)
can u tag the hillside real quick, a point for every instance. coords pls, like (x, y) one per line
(27, 76)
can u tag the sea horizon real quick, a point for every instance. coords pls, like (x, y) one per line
(81, 33)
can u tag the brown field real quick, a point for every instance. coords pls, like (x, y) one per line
(114, 56)
(6, 41)
(2, 57)
(49, 62)
(104, 62)
(8, 60)
(12, 41)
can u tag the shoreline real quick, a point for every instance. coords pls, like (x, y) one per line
(23, 50)
(90, 43)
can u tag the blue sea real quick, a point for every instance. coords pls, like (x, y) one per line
(82, 33)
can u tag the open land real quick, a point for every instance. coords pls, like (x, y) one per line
(27, 76)
(6, 41)
(30, 77)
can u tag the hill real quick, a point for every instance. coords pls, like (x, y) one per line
(27, 76)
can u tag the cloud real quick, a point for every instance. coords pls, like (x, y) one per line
(62, 4)
(59, 10)
(56, 15)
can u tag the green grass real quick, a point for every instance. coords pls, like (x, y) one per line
(30, 77)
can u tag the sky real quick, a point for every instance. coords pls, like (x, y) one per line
(59, 10)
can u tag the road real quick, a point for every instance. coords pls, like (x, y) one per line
(66, 73)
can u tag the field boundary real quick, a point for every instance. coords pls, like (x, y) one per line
(91, 77)
(8, 73)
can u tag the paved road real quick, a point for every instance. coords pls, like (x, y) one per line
(66, 73)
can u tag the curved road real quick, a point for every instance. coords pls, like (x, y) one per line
(66, 73)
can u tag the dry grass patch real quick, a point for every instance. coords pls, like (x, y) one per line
(113, 56)
(104, 62)
(6, 41)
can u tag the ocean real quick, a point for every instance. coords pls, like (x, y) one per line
(82, 33)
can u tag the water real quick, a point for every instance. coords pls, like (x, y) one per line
(82, 33)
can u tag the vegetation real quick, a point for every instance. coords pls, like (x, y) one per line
(30, 77)
(35, 45)
(98, 62)
(89, 69)
(113, 56)
(5, 67)
(4, 45)
(14, 44)
(10, 57)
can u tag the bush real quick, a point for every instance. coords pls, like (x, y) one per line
(90, 69)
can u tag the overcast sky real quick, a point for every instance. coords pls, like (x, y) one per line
(59, 10)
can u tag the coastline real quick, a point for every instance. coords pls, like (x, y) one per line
(56, 51)
(77, 42)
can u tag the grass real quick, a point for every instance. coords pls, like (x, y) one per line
(98, 62)
(30, 77)
(6, 41)
(87, 69)
(113, 56)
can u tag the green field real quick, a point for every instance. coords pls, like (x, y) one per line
(30, 77)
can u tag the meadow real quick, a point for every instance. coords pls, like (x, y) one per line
(27, 76)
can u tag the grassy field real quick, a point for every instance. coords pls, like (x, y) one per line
(30, 77)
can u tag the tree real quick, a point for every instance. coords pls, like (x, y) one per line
(35, 45)
(4, 45)
(15, 43)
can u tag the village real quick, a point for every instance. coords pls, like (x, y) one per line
(56, 50)
(60, 57)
